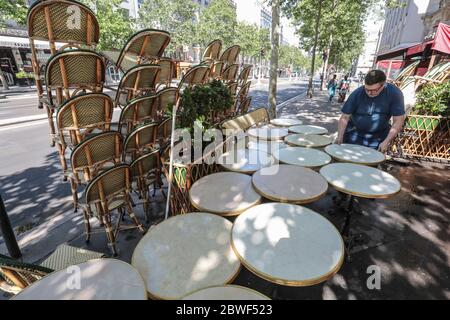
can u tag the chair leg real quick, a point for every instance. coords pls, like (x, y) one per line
(87, 226)
(73, 187)
(62, 158)
(51, 124)
(110, 234)
(146, 205)
(134, 218)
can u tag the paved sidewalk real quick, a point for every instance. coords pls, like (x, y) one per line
(407, 237)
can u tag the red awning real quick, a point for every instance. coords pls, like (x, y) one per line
(390, 64)
(442, 39)
(418, 48)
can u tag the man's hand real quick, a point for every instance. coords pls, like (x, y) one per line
(383, 146)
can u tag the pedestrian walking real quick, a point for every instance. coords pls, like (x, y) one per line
(332, 85)
(344, 87)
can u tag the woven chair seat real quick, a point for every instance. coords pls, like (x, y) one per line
(65, 256)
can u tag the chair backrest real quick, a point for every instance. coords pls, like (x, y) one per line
(230, 55)
(67, 22)
(246, 121)
(19, 274)
(243, 92)
(136, 82)
(230, 73)
(137, 112)
(145, 46)
(406, 72)
(142, 139)
(167, 98)
(93, 154)
(82, 114)
(232, 86)
(439, 72)
(245, 73)
(167, 71)
(143, 166)
(213, 49)
(196, 75)
(244, 105)
(70, 72)
(108, 186)
(164, 133)
(216, 70)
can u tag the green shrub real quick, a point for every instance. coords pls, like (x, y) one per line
(434, 100)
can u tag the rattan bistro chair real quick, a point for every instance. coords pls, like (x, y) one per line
(242, 95)
(212, 51)
(53, 21)
(230, 73)
(166, 74)
(107, 192)
(243, 76)
(244, 105)
(80, 117)
(167, 98)
(230, 55)
(137, 82)
(137, 112)
(70, 73)
(146, 46)
(92, 156)
(18, 275)
(141, 140)
(145, 172)
(216, 70)
(196, 75)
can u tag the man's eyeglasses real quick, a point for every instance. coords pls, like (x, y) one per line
(374, 91)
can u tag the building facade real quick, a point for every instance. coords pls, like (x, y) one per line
(439, 12)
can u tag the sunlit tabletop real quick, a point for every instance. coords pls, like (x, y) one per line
(224, 193)
(308, 129)
(303, 157)
(288, 183)
(268, 133)
(361, 181)
(355, 154)
(186, 253)
(245, 160)
(288, 244)
(308, 140)
(285, 122)
(98, 279)
(228, 292)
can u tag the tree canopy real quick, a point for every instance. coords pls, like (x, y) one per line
(13, 10)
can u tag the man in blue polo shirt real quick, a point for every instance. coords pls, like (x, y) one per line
(367, 112)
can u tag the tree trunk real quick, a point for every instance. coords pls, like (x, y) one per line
(4, 81)
(313, 63)
(274, 58)
(325, 65)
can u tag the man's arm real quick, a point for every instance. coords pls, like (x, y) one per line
(343, 123)
(395, 129)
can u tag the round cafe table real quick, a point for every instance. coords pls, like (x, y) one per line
(228, 292)
(358, 181)
(285, 122)
(224, 193)
(287, 244)
(303, 157)
(245, 161)
(266, 146)
(292, 184)
(267, 133)
(308, 140)
(355, 154)
(99, 279)
(186, 253)
(308, 129)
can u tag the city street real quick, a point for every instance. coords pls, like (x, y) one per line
(31, 182)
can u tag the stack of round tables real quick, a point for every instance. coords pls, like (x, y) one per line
(303, 157)
(285, 122)
(308, 129)
(308, 140)
(355, 154)
(245, 160)
(267, 133)
(228, 292)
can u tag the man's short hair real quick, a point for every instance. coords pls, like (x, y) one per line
(374, 77)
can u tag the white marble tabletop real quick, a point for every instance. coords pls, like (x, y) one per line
(360, 180)
(288, 183)
(308, 129)
(186, 253)
(228, 292)
(286, 122)
(355, 154)
(267, 133)
(224, 193)
(99, 279)
(287, 244)
(266, 145)
(308, 140)
(245, 160)
(303, 157)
